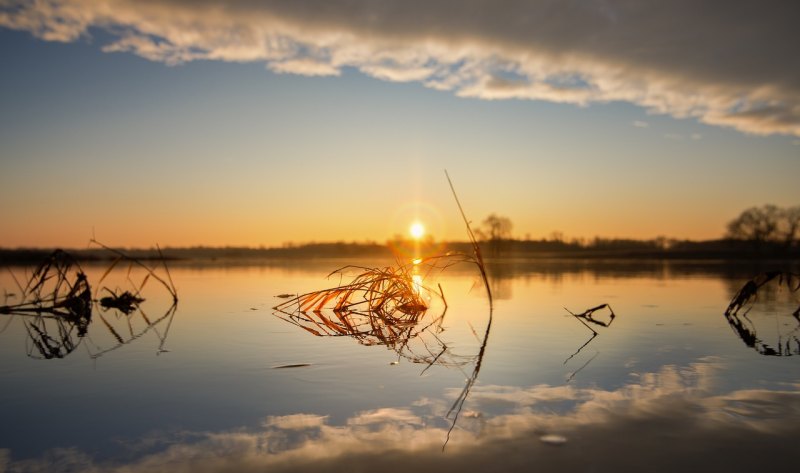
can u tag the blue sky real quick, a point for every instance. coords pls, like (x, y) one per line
(212, 150)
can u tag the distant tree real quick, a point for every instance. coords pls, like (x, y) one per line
(557, 236)
(768, 223)
(495, 229)
(662, 242)
(792, 225)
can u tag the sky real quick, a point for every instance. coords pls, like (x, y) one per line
(251, 123)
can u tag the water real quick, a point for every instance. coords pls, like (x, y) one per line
(669, 384)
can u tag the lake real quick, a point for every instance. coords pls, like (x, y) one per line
(223, 382)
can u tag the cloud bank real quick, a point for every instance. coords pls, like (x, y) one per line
(725, 63)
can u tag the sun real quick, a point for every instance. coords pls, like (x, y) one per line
(417, 230)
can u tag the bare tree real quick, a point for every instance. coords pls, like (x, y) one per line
(495, 229)
(757, 224)
(768, 223)
(791, 225)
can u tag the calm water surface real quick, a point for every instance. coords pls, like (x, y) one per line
(221, 383)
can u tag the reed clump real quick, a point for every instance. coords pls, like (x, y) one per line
(379, 306)
(58, 286)
(57, 303)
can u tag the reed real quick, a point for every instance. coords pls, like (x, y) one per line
(150, 273)
(379, 306)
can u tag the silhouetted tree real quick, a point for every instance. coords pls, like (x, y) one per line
(792, 225)
(557, 236)
(495, 229)
(768, 223)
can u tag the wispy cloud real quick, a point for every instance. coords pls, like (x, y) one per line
(728, 66)
(640, 124)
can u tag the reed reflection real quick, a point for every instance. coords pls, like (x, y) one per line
(602, 316)
(768, 297)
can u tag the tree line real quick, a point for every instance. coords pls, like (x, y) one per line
(768, 228)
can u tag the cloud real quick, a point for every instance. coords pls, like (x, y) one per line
(726, 64)
(304, 66)
(640, 124)
(668, 420)
(296, 422)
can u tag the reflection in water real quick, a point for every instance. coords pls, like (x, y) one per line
(57, 308)
(667, 420)
(386, 306)
(56, 303)
(131, 330)
(767, 287)
(458, 405)
(652, 401)
(607, 316)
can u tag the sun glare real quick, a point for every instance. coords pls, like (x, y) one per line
(417, 230)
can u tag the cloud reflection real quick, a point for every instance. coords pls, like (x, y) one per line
(667, 420)
(728, 65)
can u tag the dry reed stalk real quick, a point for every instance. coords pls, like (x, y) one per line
(476, 249)
(588, 316)
(150, 273)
